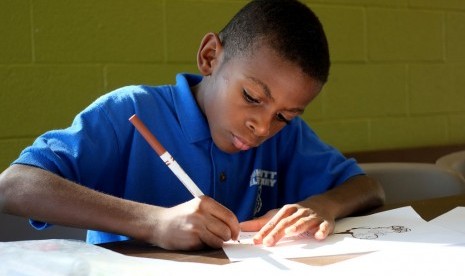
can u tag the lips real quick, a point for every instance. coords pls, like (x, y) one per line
(240, 143)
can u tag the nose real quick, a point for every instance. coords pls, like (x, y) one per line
(259, 127)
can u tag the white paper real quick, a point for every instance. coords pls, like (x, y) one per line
(454, 220)
(425, 248)
(70, 257)
(384, 230)
(425, 259)
(268, 264)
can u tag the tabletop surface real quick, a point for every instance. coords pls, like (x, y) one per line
(427, 209)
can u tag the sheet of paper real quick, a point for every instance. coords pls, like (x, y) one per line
(268, 264)
(70, 257)
(454, 220)
(425, 259)
(393, 228)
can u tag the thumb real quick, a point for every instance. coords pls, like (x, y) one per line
(253, 225)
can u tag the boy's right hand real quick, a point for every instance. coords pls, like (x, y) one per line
(193, 225)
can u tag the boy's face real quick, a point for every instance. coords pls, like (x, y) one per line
(249, 99)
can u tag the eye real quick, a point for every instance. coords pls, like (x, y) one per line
(249, 98)
(280, 117)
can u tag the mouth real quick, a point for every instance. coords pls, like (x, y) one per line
(241, 144)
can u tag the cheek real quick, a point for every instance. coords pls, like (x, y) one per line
(219, 112)
(226, 107)
(230, 116)
(276, 127)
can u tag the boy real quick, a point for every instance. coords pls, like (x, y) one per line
(235, 131)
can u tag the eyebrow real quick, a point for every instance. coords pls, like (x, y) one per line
(264, 87)
(267, 91)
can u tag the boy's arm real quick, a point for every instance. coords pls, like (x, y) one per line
(317, 214)
(356, 194)
(41, 195)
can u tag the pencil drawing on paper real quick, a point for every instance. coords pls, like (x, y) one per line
(371, 233)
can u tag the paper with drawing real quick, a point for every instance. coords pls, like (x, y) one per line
(453, 220)
(383, 230)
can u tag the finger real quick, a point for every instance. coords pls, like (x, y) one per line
(273, 236)
(257, 223)
(265, 232)
(253, 225)
(273, 232)
(218, 228)
(225, 216)
(323, 231)
(210, 239)
(284, 212)
(304, 224)
(279, 231)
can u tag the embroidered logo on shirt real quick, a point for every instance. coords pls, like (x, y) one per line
(263, 178)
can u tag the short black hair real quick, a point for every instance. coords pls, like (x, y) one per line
(291, 28)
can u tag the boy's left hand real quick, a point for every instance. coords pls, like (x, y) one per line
(290, 220)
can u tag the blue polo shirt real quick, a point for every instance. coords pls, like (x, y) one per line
(103, 151)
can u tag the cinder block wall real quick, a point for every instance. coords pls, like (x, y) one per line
(397, 80)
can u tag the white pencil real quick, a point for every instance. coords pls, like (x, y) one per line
(166, 156)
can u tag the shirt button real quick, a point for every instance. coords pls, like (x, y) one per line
(222, 176)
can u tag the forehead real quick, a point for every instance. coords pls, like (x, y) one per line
(276, 76)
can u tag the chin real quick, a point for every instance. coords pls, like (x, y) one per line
(228, 148)
(225, 145)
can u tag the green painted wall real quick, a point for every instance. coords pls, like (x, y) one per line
(397, 80)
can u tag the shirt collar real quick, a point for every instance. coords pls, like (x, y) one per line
(193, 122)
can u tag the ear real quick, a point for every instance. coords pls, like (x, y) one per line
(209, 53)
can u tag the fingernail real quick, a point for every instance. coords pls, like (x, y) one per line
(268, 241)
